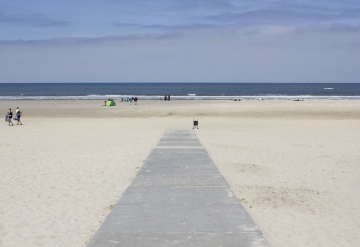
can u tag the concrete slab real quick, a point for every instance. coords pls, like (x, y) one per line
(178, 198)
(178, 239)
(179, 181)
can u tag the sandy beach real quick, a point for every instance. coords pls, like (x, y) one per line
(295, 166)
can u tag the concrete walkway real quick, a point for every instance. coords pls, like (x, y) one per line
(178, 198)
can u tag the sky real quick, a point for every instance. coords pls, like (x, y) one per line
(180, 41)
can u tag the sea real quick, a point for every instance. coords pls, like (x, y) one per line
(180, 91)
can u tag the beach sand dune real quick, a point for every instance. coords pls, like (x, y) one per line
(293, 165)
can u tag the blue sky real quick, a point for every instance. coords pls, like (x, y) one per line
(179, 41)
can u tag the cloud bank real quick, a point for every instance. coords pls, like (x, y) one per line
(181, 41)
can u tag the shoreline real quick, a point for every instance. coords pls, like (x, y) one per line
(190, 97)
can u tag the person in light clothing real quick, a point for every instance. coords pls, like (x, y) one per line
(18, 115)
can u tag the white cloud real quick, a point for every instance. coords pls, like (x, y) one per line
(170, 40)
(269, 54)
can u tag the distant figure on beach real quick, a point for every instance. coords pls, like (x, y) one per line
(104, 103)
(18, 115)
(167, 97)
(135, 100)
(10, 115)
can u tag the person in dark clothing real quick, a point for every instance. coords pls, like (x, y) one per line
(10, 115)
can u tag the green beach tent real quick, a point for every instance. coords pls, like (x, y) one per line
(110, 103)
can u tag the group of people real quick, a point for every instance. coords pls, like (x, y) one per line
(130, 100)
(9, 116)
(167, 97)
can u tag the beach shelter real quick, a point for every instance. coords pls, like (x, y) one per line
(110, 103)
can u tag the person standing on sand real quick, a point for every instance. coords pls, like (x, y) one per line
(10, 115)
(18, 115)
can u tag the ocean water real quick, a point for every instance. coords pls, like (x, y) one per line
(190, 91)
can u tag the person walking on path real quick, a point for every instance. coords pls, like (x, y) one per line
(18, 115)
(10, 115)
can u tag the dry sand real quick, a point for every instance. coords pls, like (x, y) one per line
(293, 165)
